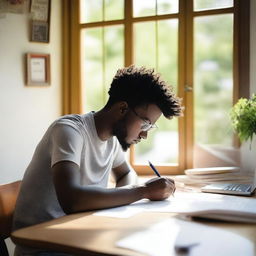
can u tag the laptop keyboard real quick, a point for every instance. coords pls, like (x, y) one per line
(238, 187)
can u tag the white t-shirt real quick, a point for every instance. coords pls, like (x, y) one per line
(73, 138)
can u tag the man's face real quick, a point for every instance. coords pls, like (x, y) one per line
(135, 124)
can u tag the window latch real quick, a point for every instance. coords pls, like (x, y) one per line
(188, 88)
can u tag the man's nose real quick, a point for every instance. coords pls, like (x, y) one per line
(144, 135)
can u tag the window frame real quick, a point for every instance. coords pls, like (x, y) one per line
(72, 84)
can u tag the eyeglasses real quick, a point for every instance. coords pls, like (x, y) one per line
(146, 125)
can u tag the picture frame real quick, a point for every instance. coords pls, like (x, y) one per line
(40, 23)
(38, 69)
(40, 9)
(40, 31)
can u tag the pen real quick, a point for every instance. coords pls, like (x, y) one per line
(154, 169)
(156, 172)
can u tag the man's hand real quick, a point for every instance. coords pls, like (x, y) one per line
(159, 188)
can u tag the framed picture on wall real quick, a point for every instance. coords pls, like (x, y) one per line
(38, 69)
(40, 9)
(40, 31)
(40, 25)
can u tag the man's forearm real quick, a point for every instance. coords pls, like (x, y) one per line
(93, 198)
(74, 197)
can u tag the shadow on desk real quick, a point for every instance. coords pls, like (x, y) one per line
(87, 234)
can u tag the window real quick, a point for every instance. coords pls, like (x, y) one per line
(195, 45)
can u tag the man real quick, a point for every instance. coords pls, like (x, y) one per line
(71, 165)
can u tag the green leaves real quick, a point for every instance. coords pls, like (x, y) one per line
(243, 118)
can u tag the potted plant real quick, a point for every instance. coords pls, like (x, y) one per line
(243, 118)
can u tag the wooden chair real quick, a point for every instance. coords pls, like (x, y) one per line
(8, 197)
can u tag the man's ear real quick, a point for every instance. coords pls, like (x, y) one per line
(123, 106)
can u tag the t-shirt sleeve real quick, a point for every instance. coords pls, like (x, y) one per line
(67, 144)
(119, 156)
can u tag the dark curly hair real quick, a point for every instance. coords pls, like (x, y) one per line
(139, 86)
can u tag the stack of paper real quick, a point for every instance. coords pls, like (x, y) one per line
(203, 176)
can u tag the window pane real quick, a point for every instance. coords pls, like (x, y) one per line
(167, 59)
(103, 54)
(213, 86)
(100, 10)
(114, 52)
(166, 151)
(92, 69)
(167, 6)
(145, 53)
(161, 145)
(160, 52)
(114, 9)
(143, 8)
(200, 5)
(91, 11)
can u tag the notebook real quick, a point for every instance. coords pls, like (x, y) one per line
(231, 188)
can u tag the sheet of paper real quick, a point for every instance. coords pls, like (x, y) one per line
(186, 203)
(161, 239)
(123, 211)
(197, 202)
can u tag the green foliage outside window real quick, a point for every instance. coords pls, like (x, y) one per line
(213, 79)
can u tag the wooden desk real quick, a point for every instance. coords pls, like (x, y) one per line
(86, 234)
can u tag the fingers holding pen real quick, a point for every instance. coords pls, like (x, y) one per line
(163, 187)
(166, 183)
(159, 188)
(172, 183)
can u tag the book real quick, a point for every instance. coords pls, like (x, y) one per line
(203, 180)
(212, 170)
(204, 176)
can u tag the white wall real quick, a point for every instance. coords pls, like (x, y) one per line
(25, 112)
(248, 156)
(253, 48)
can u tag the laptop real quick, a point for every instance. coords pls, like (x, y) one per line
(231, 188)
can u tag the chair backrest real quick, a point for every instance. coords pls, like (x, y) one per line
(8, 197)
